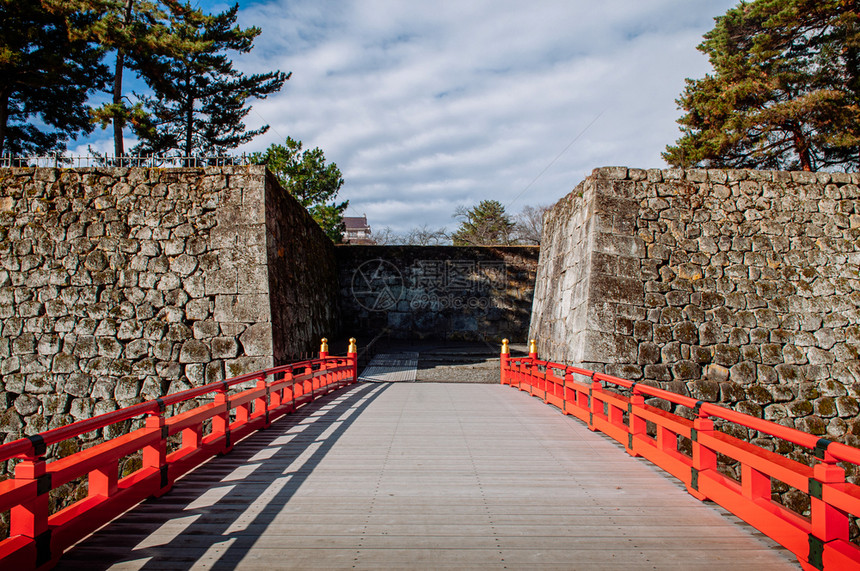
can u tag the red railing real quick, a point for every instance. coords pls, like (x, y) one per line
(820, 540)
(38, 538)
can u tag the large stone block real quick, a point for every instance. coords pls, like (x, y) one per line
(242, 308)
(618, 289)
(183, 265)
(242, 365)
(197, 309)
(257, 340)
(608, 348)
(619, 245)
(225, 281)
(194, 351)
(253, 279)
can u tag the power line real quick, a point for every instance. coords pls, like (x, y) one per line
(552, 162)
(254, 109)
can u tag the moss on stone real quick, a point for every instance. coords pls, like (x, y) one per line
(825, 407)
(759, 394)
(800, 408)
(67, 448)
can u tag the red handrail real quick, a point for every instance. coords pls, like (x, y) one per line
(38, 538)
(820, 540)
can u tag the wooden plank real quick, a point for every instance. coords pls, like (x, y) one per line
(424, 475)
(391, 367)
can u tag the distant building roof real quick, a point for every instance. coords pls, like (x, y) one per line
(356, 230)
(355, 222)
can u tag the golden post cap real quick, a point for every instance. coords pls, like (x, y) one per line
(324, 345)
(532, 346)
(505, 349)
(353, 348)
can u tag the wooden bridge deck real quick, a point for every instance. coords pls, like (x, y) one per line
(415, 475)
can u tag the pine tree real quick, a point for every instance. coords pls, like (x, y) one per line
(46, 77)
(139, 33)
(199, 100)
(483, 225)
(785, 92)
(306, 176)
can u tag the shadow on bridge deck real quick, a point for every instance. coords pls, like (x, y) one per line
(213, 516)
(427, 475)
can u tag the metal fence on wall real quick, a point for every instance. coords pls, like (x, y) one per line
(153, 161)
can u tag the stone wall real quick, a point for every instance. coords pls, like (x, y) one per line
(119, 285)
(437, 292)
(740, 287)
(302, 277)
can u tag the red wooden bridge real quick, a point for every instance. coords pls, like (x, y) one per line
(427, 475)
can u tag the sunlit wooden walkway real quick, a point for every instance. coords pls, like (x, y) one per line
(415, 475)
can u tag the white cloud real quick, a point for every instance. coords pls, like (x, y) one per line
(427, 105)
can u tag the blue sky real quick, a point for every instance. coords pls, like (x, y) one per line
(426, 106)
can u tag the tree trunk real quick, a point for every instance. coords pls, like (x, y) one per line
(189, 125)
(189, 117)
(118, 122)
(4, 117)
(801, 145)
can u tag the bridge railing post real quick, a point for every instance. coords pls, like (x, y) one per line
(276, 396)
(595, 405)
(326, 380)
(637, 426)
(30, 518)
(545, 380)
(527, 367)
(828, 522)
(308, 382)
(221, 421)
(504, 361)
(568, 392)
(352, 355)
(583, 398)
(155, 453)
(298, 385)
(317, 380)
(291, 387)
(261, 403)
(704, 459)
(528, 376)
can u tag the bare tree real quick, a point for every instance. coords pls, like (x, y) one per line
(419, 236)
(384, 237)
(425, 236)
(529, 224)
